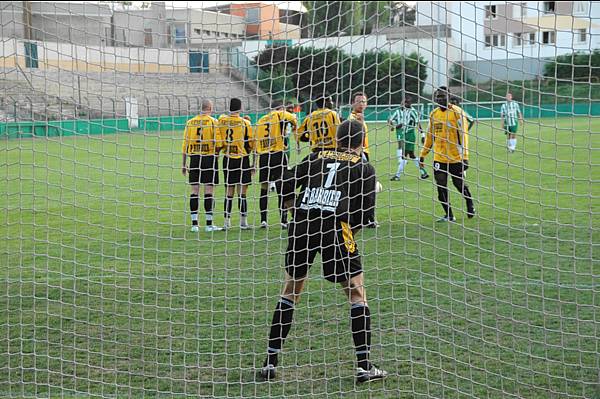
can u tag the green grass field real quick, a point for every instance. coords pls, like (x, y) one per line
(105, 292)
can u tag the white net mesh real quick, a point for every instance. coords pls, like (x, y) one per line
(105, 291)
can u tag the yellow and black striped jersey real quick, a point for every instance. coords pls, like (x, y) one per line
(201, 136)
(271, 129)
(366, 140)
(320, 128)
(236, 136)
(448, 134)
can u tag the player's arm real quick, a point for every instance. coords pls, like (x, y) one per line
(363, 201)
(293, 179)
(303, 134)
(186, 142)
(520, 114)
(502, 113)
(428, 143)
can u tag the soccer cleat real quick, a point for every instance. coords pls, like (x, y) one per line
(227, 224)
(268, 372)
(446, 219)
(373, 373)
(284, 226)
(424, 176)
(263, 224)
(395, 178)
(211, 228)
(194, 229)
(272, 186)
(373, 224)
(471, 213)
(245, 226)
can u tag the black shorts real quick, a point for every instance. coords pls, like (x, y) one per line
(455, 169)
(204, 169)
(271, 166)
(333, 239)
(237, 170)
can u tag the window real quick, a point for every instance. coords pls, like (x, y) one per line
(518, 39)
(581, 35)
(148, 37)
(549, 37)
(490, 12)
(531, 39)
(495, 40)
(580, 8)
(549, 7)
(253, 16)
(206, 32)
(180, 33)
(520, 11)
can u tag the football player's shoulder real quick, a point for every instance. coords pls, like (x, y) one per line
(368, 170)
(207, 118)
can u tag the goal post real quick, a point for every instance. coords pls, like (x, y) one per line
(488, 289)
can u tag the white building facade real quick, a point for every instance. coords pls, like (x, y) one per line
(507, 40)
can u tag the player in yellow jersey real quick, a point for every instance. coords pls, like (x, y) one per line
(237, 143)
(448, 134)
(319, 128)
(201, 145)
(270, 145)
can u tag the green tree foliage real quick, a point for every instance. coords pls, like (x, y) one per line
(343, 18)
(578, 66)
(313, 72)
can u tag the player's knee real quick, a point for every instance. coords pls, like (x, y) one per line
(195, 189)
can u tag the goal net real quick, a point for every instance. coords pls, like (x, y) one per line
(105, 290)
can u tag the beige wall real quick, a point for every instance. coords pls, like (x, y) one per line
(98, 59)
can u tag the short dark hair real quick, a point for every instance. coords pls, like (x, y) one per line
(358, 93)
(276, 104)
(454, 100)
(321, 101)
(350, 134)
(235, 105)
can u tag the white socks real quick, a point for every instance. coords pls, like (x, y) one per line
(512, 144)
(416, 161)
(401, 163)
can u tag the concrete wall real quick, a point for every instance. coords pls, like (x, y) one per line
(72, 57)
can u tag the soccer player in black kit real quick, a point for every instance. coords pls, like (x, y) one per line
(337, 199)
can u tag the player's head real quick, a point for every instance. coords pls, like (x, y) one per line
(441, 97)
(407, 102)
(277, 104)
(359, 102)
(509, 96)
(235, 105)
(454, 100)
(289, 106)
(207, 106)
(324, 102)
(350, 135)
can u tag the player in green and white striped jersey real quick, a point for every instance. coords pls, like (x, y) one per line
(406, 120)
(510, 113)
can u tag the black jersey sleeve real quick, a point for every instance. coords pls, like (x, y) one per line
(363, 197)
(294, 178)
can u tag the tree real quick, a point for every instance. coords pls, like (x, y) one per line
(578, 66)
(313, 72)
